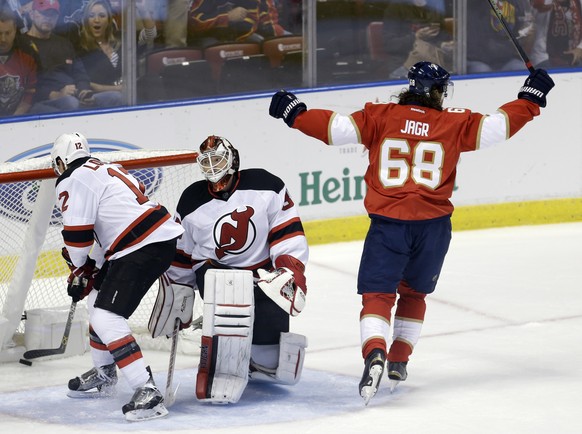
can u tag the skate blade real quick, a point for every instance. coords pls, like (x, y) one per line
(368, 392)
(146, 414)
(393, 384)
(105, 392)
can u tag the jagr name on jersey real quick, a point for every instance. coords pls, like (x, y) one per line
(415, 128)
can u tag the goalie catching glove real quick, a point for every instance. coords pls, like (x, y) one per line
(80, 281)
(286, 284)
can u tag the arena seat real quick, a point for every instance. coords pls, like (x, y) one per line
(276, 48)
(217, 54)
(151, 84)
(157, 60)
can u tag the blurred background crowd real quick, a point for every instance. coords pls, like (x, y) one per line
(67, 55)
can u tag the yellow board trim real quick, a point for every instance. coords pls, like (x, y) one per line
(464, 218)
(51, 264)
(48, 264)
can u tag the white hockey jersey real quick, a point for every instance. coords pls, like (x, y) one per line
(104, 203)
(247, 228)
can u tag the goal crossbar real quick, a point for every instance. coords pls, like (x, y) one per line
(32, 273)
(9, 172)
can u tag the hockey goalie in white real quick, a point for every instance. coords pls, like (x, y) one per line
(244, 249)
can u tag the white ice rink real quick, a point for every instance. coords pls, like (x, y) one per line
(501, 352)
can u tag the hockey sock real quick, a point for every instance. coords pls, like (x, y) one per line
(408, 319)
(375, 321)
(99, 352)
(129, 360)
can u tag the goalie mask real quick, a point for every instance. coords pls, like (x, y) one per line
(425, 77)
(218, 161)
(67, 148)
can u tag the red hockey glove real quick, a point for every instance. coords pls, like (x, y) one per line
(79, 287)
(285, 285)
(80, 281)
(88, 270)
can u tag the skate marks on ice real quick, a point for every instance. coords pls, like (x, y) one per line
(318, 394)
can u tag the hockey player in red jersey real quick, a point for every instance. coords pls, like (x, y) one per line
(414, 147)
(242, 220)
(117, 242)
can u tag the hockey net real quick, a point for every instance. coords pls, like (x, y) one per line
(32, 272)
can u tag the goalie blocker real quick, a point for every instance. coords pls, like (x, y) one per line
(225, 360)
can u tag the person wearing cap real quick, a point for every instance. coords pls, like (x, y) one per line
(63, 83)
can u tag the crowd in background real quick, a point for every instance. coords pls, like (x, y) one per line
(63, 55)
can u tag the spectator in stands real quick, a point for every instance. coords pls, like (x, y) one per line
(176, 23)
(413, 32)
(63, 83)
(100, 52)
(232, 21)
(539, 53)
(488, 48)
(70, 21)
(564, 31)
(147, 30)
(18, 68)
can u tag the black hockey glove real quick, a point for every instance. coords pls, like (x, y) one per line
(536, 87)
(79, 287)
(286, 106)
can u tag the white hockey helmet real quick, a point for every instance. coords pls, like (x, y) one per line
(217, 159)
(69, 147)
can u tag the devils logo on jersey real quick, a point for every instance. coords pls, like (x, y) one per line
(234, 233)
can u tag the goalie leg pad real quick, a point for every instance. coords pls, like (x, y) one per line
(173, 301)
(227, 333)
(291, 356)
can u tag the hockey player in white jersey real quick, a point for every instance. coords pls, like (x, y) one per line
(240, 220)
(117, 242)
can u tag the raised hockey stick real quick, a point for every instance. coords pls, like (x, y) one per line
(170, 395)
(516, 44)
(33, 354)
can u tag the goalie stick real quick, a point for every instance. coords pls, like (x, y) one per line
(33, 354)
(516, 44)
(170, 395)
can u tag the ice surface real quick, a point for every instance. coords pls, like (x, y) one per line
(500, 352)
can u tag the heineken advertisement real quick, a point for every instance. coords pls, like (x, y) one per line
(316, 188)
(327, 181)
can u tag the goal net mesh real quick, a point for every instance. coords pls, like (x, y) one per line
(32, 272)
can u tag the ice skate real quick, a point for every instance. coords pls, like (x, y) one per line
(146, 403)
(373, 370)
(95, 383)
(396, 373)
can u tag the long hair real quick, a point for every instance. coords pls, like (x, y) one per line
(407, 97)
(87, 41)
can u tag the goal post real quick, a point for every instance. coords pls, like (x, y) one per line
(32, 273)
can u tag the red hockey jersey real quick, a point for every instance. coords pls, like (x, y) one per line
(414, 150)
